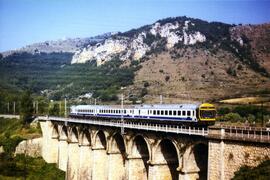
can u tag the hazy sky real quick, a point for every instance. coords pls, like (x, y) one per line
(23, 22)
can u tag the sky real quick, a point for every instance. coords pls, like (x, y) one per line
(23, 22)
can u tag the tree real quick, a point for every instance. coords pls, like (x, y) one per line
(54, 109)
(27, 110)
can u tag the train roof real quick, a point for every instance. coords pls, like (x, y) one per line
(143, 106)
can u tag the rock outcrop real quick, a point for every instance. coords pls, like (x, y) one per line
(31, 147)
(136, 46)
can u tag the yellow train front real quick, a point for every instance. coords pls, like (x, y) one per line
(206, 114)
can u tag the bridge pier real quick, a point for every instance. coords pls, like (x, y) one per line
(100, 163)
(116, 166)
(137, 168)
(63, 154)
(49, 142)
(161, 171)
(63, 149)
(85, 166)
(73, 160)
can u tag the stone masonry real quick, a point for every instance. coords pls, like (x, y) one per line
(100, 152)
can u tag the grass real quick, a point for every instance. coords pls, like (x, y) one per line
(246, 100)
(14, 127)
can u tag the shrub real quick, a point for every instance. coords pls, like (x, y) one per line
(146, 84)
(232, 117)
(167, 78)
(261, 172)
(223, 110)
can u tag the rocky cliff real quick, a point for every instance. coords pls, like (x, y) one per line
(136, 45)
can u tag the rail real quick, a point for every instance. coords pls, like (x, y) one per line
(199, 131)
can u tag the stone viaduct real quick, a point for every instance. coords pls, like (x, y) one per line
(98, 150)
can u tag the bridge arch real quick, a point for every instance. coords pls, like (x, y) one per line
(73, 134)
(55, 131)
(117, 143)
(140, 156)
(85, 137)
(100, 140)
(117, 156)
(63, 132)
(166, 157)
(100, 158)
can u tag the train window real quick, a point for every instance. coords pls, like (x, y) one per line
(150, 111)
(179, 113)
(158, 112)
(154, 112)
(170, 112)
(174, 113)
(188, 113)
(162, 112)
(166, 112)
(184, 113)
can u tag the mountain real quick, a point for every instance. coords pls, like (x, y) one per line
(180, 58)
(69, 45)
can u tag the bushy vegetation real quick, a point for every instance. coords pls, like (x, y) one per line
(13, 131)
(20, 167)
(52, 75)
(244, 113)
(261, 172)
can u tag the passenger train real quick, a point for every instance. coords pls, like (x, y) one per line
(185, 113)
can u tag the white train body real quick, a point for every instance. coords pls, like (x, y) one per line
(162, 112)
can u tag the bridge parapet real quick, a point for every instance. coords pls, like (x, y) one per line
(249, 134)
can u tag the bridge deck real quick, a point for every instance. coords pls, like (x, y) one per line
(136, 125)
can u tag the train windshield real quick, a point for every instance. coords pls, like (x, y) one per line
(208, 114)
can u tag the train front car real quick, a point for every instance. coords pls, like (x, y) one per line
(207, 114)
